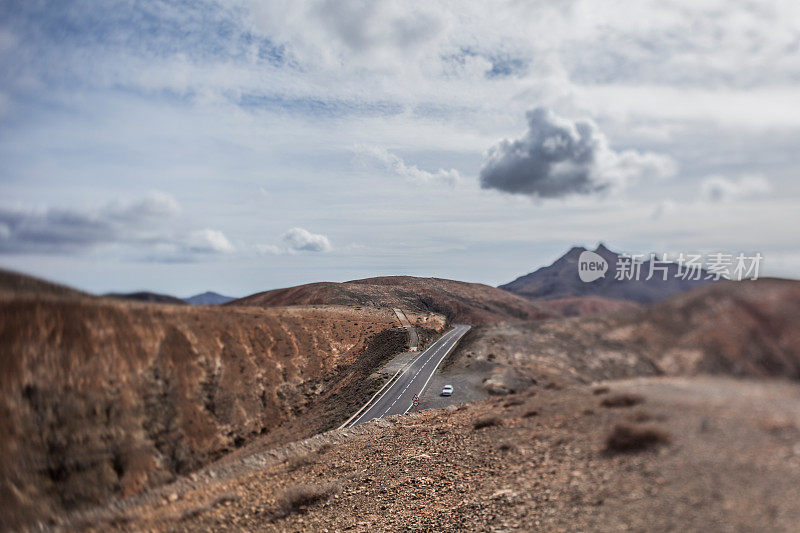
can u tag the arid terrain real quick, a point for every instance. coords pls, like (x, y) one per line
(133, 416)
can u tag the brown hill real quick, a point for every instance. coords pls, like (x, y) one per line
(145, 296)
(102, 397)
(16, 283)
(468, 303)
(747, 328)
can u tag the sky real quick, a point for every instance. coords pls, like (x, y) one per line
(251, 144)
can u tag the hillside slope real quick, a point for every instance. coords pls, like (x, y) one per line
(102, 397)
(469, 303)
(17, 283)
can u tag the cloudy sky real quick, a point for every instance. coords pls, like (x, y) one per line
(247, 145)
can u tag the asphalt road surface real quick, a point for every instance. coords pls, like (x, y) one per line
(397, 398)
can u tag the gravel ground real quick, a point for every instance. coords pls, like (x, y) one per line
(711, 454)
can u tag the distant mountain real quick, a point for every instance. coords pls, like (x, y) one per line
(208, 298)
(144, 296)
(560, 280)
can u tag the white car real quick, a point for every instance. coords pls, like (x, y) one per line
(447, 390)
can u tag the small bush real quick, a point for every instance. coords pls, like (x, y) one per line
(506, 447)
(487, 421)
(600, 390)
(299, 498)
(299, 461)
(324, 448)
(622, 400)
(513, 401)
(642, 416)
(626, 438)
(531, 413)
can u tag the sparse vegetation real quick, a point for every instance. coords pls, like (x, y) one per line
(531, 413)
(506, 446)
(298, 498)
(324, 448)
(626, 438)
(488, 421)
(622, 400)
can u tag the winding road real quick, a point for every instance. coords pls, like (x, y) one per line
(398, 396)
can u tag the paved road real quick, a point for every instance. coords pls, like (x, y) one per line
(397, 398)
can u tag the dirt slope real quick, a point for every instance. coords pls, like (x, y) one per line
(469, 303)
(101, 397)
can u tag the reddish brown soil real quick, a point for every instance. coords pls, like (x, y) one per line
(466, 303)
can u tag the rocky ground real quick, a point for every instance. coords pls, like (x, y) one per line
(649, 454)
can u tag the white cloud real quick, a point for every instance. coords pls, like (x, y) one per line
(557, 157)
(268, 249)
(722, 189)
(209, 241)
(369, 155)
(302, 240)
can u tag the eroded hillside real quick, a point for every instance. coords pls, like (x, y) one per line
(103, 397)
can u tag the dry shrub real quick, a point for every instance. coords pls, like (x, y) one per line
(643, 416)
(622, 400)
(325, 447)
(633, 438)
(194, 512)
(600, 390)
(506, 446)
(299, 498)
(531, 413)
(513, 401)
(487, 421)
(299, 461)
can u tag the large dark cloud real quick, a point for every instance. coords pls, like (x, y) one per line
(557, 157)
